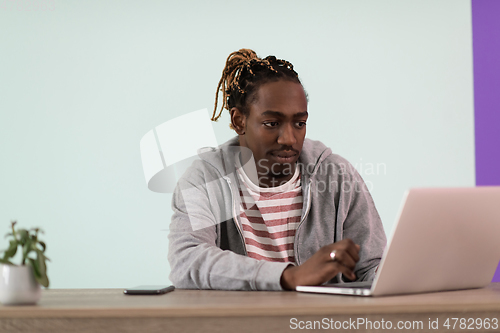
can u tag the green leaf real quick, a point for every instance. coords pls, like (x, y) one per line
(40, 258)
(5, 261)
(43, 246)
(13, 223)
(23, 236)
(11, 251)
(44, 280)
(36, 269)
(41, 277)
(26, 249)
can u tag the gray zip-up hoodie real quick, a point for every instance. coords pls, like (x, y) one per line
(206, 246)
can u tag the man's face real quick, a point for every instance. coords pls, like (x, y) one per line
(274, 130)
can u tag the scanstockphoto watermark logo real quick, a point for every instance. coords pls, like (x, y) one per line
(328, 176)
(28, 5)
(362, 324)
(168, 151)
(453, 324)
(342, 180)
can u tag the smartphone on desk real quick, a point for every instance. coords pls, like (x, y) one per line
(149, 290)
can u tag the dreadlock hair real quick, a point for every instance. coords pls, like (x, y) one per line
(243, 74)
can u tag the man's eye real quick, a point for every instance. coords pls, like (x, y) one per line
(271, 124)
(301, 124)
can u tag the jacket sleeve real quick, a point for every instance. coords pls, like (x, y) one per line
(361, 222)
(196, 261)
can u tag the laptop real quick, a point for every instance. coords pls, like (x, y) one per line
(444, 239)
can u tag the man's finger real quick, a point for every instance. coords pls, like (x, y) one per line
(354, 252)
(347, 272)
(348, 245)
(342, 258)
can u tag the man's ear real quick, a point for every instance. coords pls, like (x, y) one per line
(238, 120)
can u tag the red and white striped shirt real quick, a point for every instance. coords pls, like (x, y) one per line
(270, 217)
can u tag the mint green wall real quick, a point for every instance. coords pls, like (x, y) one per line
(389, 82)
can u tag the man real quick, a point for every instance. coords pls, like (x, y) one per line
(270, 210)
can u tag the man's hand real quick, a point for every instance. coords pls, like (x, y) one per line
(320, 267)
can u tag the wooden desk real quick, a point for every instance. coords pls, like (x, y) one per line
(108, 310)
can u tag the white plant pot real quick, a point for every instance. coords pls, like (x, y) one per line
(18, 285)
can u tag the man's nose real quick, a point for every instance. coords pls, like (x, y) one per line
(287, 136)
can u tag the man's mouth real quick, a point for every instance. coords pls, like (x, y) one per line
(284, 157)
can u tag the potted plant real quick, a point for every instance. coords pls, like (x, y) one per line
(20, 284)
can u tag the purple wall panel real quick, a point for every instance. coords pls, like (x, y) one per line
(486, 46)
(496, 278)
